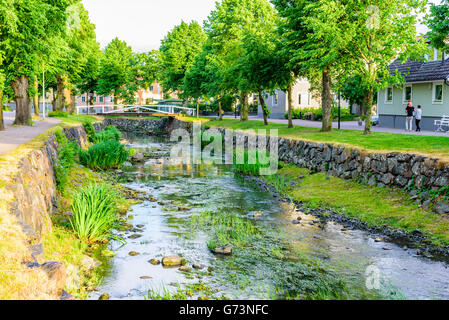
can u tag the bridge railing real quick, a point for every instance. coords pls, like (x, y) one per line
(111, 109)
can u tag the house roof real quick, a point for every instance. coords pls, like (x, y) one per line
(414, 71)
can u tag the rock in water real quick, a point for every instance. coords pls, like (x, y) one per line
(226, 250)
(154, 261)
(197, 266)
(104, 296)
(184, 269)
(135, 236)
(173, 261)
(133, 253)
(145, 277)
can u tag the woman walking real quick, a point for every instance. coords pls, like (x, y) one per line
(418, 116)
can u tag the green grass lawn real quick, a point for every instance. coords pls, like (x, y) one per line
(377, 141)
(375, 206)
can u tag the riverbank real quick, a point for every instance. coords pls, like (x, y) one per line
(41, 256)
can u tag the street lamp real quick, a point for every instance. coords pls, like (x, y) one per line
(43, 91)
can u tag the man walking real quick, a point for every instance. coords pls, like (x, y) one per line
(409, 116)
(418, 115)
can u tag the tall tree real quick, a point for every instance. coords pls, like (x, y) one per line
(375, 33)
(438, 23)
(178, 51)
(8, 24)
(38, 23)
(226, 27)
(118, 72)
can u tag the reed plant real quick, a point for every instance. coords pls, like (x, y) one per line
(94, 212)
(104, 155)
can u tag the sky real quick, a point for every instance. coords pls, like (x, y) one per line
(144, 23)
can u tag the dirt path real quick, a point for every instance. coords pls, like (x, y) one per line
(14, 136)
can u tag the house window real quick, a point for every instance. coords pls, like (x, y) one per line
(275, 98)
(151, 88)
(95, 99)
(389, 95)
(101, 99)
(299, 99)
(407, 94)
(83, 99)
(111, 99)
(438, 93)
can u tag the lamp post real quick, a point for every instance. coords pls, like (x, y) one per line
(339, 106)
(43, 90)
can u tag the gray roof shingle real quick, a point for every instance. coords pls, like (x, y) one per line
(422, 71)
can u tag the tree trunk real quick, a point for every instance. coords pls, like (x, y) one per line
(326, 102)
(36, 97)
(22, 99)
(368, 109)
(2, 125)
(290, 103)
(71, 107)
(115, 101)
(244, 107)
(264, 108)
(63, 92)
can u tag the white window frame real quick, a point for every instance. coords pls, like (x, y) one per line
(275, 100)
(83, 99)
(101, 99)
(434, 86)
(386, 96)
(404, 98)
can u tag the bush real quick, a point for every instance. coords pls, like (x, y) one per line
(67, 152)
(90, 131)
(316, 114)
(94, 212)
(104, 155)
(110, 133)
(59, 114)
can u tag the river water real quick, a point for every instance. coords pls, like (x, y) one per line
(369, 267)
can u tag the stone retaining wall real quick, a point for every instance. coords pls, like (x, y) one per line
(34, 185)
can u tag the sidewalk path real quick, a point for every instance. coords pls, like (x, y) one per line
(349, 125)
(14, 136)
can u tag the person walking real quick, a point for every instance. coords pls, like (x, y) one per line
(409, 110)
(418, 116)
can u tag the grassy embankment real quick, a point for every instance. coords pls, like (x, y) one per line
(62, 244)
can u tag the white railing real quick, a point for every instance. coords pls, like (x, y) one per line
(111, 109)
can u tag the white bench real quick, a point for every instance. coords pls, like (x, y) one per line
(443, 122)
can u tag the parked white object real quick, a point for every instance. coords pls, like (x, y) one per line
(444, 121)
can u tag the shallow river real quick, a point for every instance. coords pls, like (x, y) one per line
(370, 267)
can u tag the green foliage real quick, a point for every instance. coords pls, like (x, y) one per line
(58, 114)
(94, 212)
(67, 152)
(438, 24)
(178, 51)
(90, 130)
(118, 71)
(104, 155)
(110, 133)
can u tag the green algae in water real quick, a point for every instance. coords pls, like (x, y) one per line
(260, 256)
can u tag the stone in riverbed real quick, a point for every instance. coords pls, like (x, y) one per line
(295, 222)
(173, 261)
(226, 250)
(146, 277)
(184, 269)
(154, 262)
(135, 236)
(104, 296)
(210, 268)
(197, 266)
(134, 253)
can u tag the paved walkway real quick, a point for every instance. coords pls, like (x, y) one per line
(349, 125)
(14, 136)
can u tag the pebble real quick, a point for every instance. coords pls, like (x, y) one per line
(135, 236)
(197, 266)
(104, 296)
(184, 269)
(154, 261)
(134, 253)
(146, 277)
